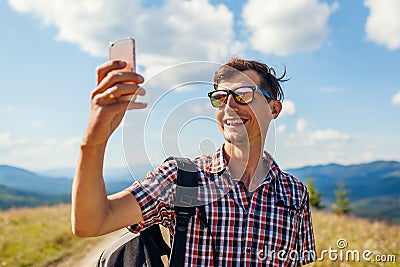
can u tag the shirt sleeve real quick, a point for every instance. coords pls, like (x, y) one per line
(306, 244)
(154, 196)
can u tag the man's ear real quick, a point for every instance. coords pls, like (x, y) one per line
(276, 108)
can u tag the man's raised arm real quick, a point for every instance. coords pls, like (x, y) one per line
(93, 212)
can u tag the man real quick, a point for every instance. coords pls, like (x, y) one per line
(263, 219)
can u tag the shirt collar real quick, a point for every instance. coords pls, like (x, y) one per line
(218, 165)
(274, 177)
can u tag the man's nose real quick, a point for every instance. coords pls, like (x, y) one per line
(231, 103)
(231, 106)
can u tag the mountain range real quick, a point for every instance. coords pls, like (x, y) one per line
(374, 188)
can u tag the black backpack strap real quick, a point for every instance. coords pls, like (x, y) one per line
(185, 204)
(154, 233)
(185, 199)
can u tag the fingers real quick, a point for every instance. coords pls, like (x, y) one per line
(116, 77)
(119, 93)
(112, 71)
(121, 107)
(103, 69)
(136, 105)
(116, 82)
(122, 89)
(116, 87)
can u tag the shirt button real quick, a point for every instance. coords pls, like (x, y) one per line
(248, 251)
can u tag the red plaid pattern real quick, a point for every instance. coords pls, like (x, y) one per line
(272, 227)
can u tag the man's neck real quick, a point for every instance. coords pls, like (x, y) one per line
(246, 164)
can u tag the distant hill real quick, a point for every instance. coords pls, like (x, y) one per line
(374, 187)
(25, 180)
(12, 198)
(20, 187)
(110, 174)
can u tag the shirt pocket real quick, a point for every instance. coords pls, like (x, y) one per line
(280, 246)
(283, 228)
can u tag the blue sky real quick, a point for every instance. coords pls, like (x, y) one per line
(342, 102)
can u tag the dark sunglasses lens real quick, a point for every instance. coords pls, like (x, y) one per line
(244, 95)
(218, 98)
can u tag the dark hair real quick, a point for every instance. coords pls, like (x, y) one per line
(269, 81)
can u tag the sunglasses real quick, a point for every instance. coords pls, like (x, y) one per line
(242, 95)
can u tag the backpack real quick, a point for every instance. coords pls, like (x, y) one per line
(145, 249)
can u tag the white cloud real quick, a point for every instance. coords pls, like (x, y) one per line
(396, 99)
(383, 22)
(6, 108)
(328, 135)
(88, 23)
(307, 137)
(330, 90)
(184, 88)
(281, 129)
(189, 30)
(176, 31)
(37, 154)
(368, 156)
(9, 141)
(285, 27)
(288, 108)
(71, 144)
(37, 124)
(301, 124)
(199, 109)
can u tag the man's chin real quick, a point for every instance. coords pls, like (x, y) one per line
(236, 138)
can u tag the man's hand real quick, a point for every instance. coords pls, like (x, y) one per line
(109, 101)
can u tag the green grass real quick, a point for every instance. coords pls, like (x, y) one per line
(361, 234)
(37, 236)
(42, 237)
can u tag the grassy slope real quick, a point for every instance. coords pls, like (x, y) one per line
(38, 236)
(42, 237)
(360, 234)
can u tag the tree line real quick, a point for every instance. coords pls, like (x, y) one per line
(341, 204)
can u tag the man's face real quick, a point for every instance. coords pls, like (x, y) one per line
(245, 124)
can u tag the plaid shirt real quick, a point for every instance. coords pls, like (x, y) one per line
(271, 227)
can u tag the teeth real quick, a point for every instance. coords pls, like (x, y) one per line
(237, 121)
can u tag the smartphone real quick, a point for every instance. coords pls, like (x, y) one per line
(124, 49)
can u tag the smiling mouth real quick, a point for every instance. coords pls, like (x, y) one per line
(234, 122)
